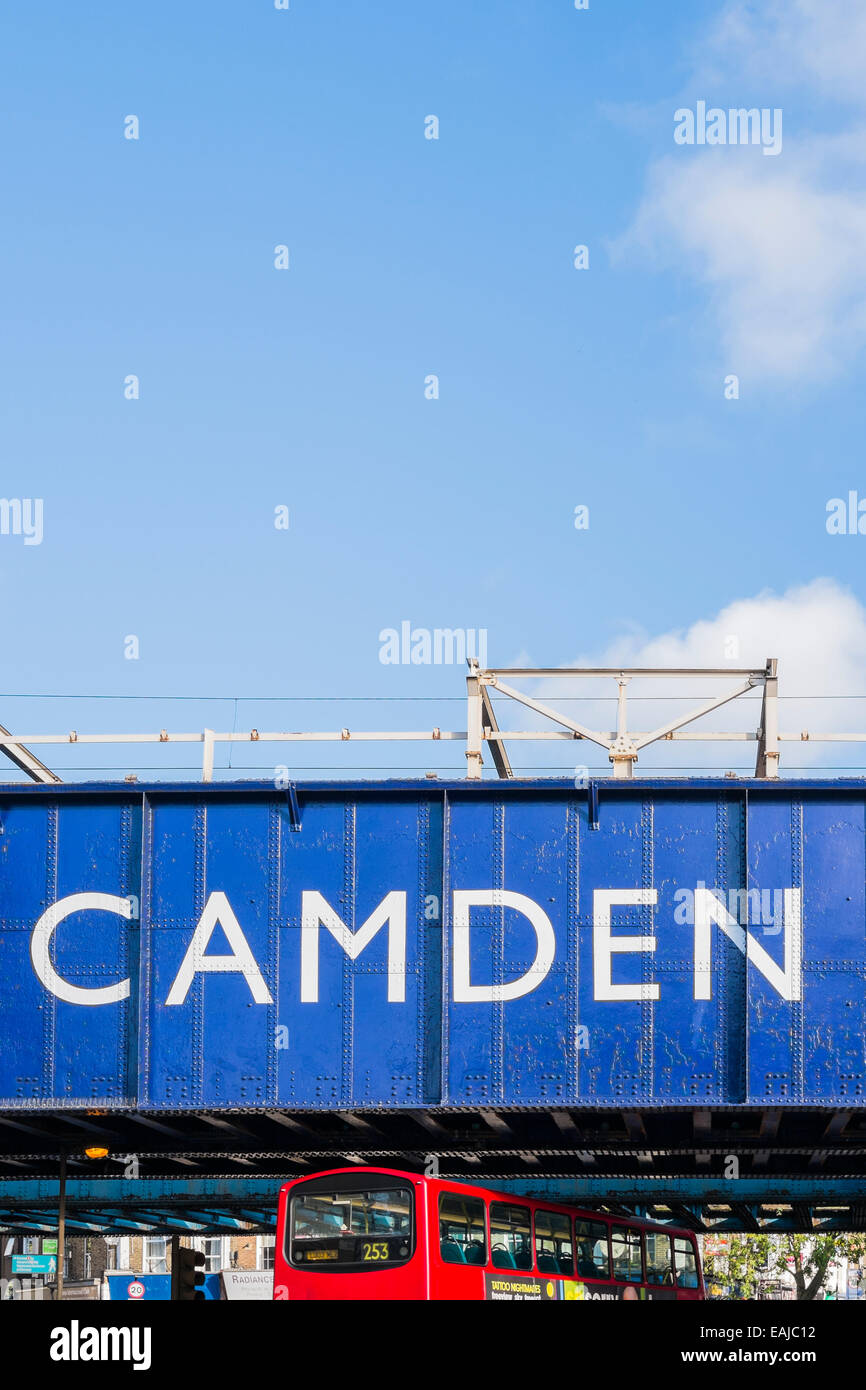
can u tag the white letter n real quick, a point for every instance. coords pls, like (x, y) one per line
(708, 909)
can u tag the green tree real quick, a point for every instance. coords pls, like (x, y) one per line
(747, 1257)
(806, 1257)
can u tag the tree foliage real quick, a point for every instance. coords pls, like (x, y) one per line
(807, 1258)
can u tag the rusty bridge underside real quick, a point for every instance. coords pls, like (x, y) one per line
(733, 1170)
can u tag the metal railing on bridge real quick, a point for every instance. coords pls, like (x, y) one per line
(623, 744)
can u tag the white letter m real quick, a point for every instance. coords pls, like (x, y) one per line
(316, 912)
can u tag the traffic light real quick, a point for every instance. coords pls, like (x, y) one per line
(188, 1278)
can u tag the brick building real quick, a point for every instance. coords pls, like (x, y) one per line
(152, 1254)
(91, 1257)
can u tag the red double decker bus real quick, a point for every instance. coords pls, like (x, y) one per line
(376, 1233)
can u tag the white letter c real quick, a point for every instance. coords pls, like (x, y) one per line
(40, 943)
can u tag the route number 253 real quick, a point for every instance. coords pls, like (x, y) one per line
(377, 1250)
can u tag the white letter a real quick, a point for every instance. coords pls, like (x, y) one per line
(241, 961)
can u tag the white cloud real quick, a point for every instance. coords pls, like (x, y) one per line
(781, 257)
(820, 43)
(777, 243)
(817, 631)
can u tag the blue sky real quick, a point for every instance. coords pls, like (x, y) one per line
(410, 257)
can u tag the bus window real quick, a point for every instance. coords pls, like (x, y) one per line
(625, 1245)
(658, 1258)
(340, 1227)
(553, 1248)
(593, 1260)
(510, 1238)
(462, 1235)
(685, 1264)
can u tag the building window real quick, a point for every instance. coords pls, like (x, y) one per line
(268, 1243)
(155, 1260)
(212, 1248)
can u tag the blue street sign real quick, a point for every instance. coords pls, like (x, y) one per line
(139, 1288)
(34, 1264)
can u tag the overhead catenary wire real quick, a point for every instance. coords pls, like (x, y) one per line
(390, 699)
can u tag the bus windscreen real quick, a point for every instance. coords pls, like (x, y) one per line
(359, 1229)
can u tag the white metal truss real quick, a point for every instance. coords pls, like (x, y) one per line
(623, 745)
(23, 758)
